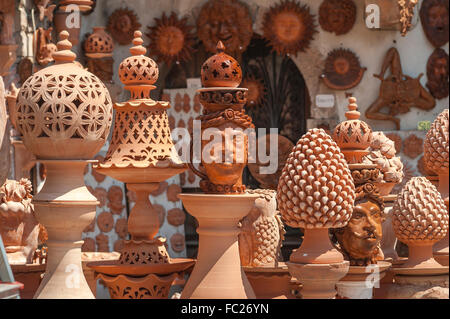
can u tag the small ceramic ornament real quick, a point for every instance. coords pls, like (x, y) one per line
(289, 27)
(435, 21)
(438, 73)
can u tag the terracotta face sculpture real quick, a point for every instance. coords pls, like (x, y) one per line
(228, 21)
(19, 228)
(171, 39)
(289, 27)
(337, 16)
(121, 25)
(398, 92)
(434, 18)
(359, 240)
(437, 74)
(342, 70)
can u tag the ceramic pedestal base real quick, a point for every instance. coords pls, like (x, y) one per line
(318, 280)
(218, 274)
(270, 282)
(89, 273)
(30, 276)
(389, 240)
(419, 287)
(65, 207)
(360, 281)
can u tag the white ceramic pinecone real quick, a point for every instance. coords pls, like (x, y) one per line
(419, 213)
(316, 189)
(436, 147)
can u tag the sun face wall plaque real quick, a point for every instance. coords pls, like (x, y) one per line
(337, 16)
(437, 74)
(289, 27)
(121, 25)
(171, 39)
(434, 18)
(342, 70)
(228, 21)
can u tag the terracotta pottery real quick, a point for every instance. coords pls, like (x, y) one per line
(121, 25)
(436, 157)
(83, 5)
(343, 70)
(30, 275)
(289, 27)
(315, 170)
(337, 16)
(19, 228)
(270, 282)
(218, 274)
(389, 241)
(76, 129)
(228, 21)
(141, 155)
(98, 44)
(261, 232)
(171, 39)
(438, 74)
(360, 281)
(435, 22)
(43, 47)
(87, 257)
(420, 220)
(59, 22)
(411, 92)
(223, 110)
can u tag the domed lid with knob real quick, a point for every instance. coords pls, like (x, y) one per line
(353, 136)
(64, 111)
(221, 70)
(138, 72)
(99, 44)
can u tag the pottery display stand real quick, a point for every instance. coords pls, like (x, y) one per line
(270, 282)
(318, 280)
(64, 207)
(360, 281)
(218, 274)
(387, 280)
(389, 241)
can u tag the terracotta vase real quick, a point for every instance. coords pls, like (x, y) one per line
(99, 44)
(223, 104)
(436, 157)
(218, 274)
(59, 22)
(420, 220)
(270, 282)
(307, 198)
(64, 137)
(141, 155)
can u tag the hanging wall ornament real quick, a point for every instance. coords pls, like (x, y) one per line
(437, 74)
(228, 21)
(43, 47)
(289, 27)
(337, 16)
(256, 90)
(434, 18)
(171, 39)
(406, 14)
(121, 25)
(342, 70)
(83, 5)
(45, 9)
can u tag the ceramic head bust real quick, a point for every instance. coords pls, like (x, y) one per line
(19, 228)
(359, 241)
(261, 231)
(435, 21)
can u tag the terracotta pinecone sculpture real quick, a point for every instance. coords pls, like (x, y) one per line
(420, 220)
(261, 231)
(316, 189)
(436, 147)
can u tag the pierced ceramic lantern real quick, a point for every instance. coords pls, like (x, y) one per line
(99, 44)
(223, 104)
(316, 192)
(64, 111)
(420, 219)
(353, 136)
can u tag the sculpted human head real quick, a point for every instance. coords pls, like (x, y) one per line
(337, 15)
(437, 74)
(435, 21)
(360, 239)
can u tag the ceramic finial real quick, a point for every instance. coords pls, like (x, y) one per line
(64, 54)
(352, 114)
(138, 49)
(220, 47)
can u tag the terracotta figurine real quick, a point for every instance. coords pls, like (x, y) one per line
(437, 74)
(337, 16)
(398, 92)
